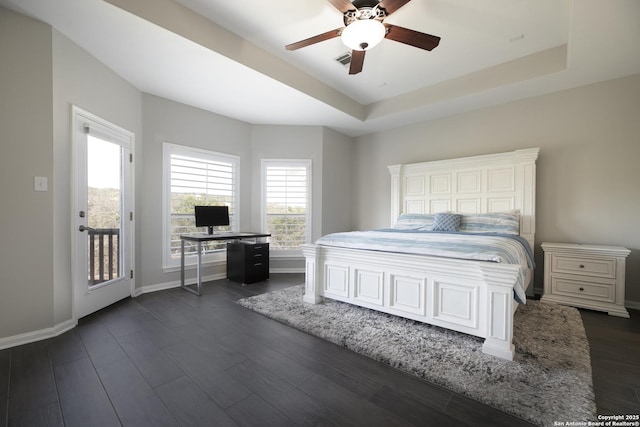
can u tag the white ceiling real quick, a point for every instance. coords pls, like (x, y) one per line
(228, 57)
(473, 38)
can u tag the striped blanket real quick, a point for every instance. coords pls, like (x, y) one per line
(480, 247)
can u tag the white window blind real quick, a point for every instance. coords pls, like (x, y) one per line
(286, 203)
(196, 177)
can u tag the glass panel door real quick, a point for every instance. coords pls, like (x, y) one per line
(104, 210)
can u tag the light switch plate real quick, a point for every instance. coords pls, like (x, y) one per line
(41, 183)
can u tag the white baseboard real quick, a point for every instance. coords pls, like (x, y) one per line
(173, 284)
(287, 270)
(38, 335)
(632, 304)
(176, 283)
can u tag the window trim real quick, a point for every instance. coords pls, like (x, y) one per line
(168, 262)
(308, 164)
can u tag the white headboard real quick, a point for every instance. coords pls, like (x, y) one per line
(480, 184)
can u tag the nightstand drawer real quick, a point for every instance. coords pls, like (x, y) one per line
(594, 267)
(574, 288)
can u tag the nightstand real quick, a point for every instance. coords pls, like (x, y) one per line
(587, 276)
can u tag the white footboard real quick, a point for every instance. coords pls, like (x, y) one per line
(472, 297)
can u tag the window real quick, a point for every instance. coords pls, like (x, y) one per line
(286, 204)
(196, 177)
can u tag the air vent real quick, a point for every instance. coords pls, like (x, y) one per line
(344, 59)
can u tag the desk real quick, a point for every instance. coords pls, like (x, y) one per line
(201, 237)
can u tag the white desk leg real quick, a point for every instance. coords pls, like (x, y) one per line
(199, 262)
(182, 263)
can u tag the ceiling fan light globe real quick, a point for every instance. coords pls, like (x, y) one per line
(363, 34)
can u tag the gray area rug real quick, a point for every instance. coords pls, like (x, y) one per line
(548, 380)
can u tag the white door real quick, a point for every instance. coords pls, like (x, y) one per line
(102, 213)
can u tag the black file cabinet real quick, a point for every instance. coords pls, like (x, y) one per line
(247, 262)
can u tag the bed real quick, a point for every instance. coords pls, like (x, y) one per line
(490, 196)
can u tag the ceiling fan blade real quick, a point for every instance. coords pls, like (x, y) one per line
(342, 5)
(392, 5)
(357, 60)
(411, 37)
(315, 39)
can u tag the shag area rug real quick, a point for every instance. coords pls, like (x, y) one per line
(548, 380)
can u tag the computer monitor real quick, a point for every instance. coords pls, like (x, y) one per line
(211, 216)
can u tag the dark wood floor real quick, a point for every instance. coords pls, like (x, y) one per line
(171, 358)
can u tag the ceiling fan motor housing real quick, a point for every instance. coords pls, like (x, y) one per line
(365, 9)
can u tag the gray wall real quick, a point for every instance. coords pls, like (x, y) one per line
(26, 135)
(337, 165)
(289, 142)
(330, 153)
(42, 73)
(168, 121)
(588, 179)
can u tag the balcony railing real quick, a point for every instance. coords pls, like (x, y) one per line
(104, 255)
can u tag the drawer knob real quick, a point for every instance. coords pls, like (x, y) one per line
(582, 289)
(581, 265)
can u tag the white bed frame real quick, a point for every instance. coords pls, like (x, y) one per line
(474, 297)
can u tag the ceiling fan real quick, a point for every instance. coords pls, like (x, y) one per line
(364, 29)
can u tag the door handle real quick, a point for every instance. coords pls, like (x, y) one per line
(85, 228)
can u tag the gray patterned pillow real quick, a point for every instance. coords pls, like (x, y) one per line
(446, 222)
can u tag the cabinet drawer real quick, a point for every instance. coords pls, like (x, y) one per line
(256, 272)
(594, 267)
(587, 290)
(256, 251)
(258, 265)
